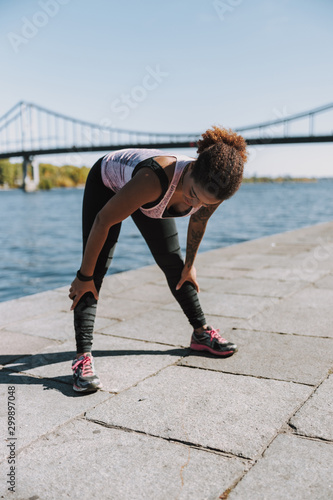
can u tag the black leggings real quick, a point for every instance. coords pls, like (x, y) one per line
(161, 237)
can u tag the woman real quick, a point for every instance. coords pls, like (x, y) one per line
(154, 188)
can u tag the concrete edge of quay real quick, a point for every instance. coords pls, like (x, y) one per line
(168, 422)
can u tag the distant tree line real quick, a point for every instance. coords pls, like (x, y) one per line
(10, 174)
(286, 178)
(69, 176)
(50, 176)
(65, 176)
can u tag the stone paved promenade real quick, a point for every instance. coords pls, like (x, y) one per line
(169, 424)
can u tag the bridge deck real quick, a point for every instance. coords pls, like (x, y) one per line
(29, 130)
(263, 141)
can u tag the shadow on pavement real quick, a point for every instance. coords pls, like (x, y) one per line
(11, 374)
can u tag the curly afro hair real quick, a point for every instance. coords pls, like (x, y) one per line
(220, 164)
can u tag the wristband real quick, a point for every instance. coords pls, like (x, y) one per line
(82, 277)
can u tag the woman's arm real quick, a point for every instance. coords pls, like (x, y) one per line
(195, 232)
(144, 188)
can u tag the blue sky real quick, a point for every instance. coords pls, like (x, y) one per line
(200, 63)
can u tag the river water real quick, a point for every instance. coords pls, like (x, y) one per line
(40, 237)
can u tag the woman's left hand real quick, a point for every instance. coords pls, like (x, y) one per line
(188, 274)
(79, 288)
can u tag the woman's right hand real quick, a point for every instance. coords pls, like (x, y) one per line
(79, 288)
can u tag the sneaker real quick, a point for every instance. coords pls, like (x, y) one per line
(84, 376)
(210, 340)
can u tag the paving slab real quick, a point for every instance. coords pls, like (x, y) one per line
(120, 363)
(292, 468)
(32, 306)
(160, 325)
(294, 274)
(303, 238)
(308, 235)
(147, 293)
(48, 301)
(305, 360)
(56, 326)
(253, 260)
(205, 270)
(230, 305)
(315, 418)
(260, 288)
(276, 244)
(235, 306)
(114, 308)
(114, 284)
(17, 310)
(317, 234)
(291, 249)
(307, 312)
(326, 282)
(218, 254)
(205, 282)
(122, 466)
(42, 405)
(15, 345)
(281, 244)
(319, 257)
(230, 413)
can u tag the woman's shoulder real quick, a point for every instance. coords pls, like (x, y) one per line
(168, 163)
(165, 161)
(146, 180)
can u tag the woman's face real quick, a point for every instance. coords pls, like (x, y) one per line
(194, 195)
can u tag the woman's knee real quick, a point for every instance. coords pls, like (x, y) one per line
(86, 302)
(170, 263)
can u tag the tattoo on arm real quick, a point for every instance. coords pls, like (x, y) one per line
(196, 230)
(204, 213)
(194, 238)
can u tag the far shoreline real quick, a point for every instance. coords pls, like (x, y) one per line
(246, 180)
(71, 176)
(279, 180)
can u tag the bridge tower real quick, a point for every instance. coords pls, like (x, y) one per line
(29, 184)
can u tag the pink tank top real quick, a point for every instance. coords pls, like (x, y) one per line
(118, 167)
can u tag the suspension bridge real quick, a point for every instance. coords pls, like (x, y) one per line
(28, 130)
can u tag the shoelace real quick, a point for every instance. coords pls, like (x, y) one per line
(214, 334)
(85, 365)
